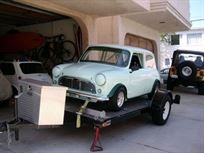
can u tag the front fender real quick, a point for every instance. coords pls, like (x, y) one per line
(115, 88)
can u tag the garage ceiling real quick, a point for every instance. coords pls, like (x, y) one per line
(15, 14)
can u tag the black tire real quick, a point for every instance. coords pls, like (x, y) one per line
(69, 50)
(201, 88)
(170, 84)
(161, 110)
(155, 87)
(115, 104)
(189, 66)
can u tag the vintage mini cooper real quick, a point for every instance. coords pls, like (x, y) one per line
(109, 73)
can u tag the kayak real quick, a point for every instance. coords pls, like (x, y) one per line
(20, 41)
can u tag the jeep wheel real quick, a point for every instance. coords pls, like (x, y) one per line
(187, 71)
(154, 89)
(161, 111)
(169, 85)
(201, 88)
(117, 100)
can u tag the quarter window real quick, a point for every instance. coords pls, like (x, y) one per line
(150, 61)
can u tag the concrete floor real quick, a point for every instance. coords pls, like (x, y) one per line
(183, 133)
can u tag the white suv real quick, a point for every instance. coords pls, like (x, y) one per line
(17, 70)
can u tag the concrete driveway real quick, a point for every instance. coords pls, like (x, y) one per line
(183, 133)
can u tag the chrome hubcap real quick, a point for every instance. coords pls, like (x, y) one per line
(186, 71)
(166, 110)
(120, 99)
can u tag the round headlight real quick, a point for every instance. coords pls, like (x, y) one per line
(56, 72)
(100, 79)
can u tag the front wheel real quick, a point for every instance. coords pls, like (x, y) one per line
(161, 112)
(117, 100)
(69, 50)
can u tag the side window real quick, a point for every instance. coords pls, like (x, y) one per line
(135, 62)
(7, 68)
(150, 63)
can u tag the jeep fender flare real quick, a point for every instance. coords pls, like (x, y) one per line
(115, 88)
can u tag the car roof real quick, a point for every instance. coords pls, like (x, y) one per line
(129, 48)
(20, 62)
(188, 51)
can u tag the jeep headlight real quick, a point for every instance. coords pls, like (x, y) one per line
(56, 72)
(100, 79)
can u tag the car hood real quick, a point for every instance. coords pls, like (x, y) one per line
(40, 77)
(87, 70)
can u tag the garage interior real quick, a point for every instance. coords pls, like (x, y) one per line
(54, 28)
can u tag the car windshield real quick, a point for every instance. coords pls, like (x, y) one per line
(106, 55)
(29, 68)
(197, 59)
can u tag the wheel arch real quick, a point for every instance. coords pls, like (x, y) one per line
(115, 88)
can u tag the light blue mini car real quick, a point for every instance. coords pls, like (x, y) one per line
(109, 73)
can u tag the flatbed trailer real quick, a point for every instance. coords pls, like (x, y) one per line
(100, 117)
(103, 118)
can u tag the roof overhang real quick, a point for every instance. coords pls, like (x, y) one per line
(163, 18)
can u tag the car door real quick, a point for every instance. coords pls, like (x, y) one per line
(137, 77)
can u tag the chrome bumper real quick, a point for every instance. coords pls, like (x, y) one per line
(85, 96)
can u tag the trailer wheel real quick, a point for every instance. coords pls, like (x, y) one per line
(117, 100)
(161, 110)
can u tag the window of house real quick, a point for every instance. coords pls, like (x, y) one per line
(167, 61)
(175, 39)
(194, 38)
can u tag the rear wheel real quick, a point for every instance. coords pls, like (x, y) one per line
(117, 100)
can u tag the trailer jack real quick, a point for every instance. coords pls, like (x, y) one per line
(96, 145)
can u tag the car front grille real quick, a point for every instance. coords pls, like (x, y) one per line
(75, 83)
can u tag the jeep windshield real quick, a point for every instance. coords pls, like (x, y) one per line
(106, 55)
(30, 68)
(197, 59)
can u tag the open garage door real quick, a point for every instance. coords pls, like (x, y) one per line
(22, 25)
(137, 41)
